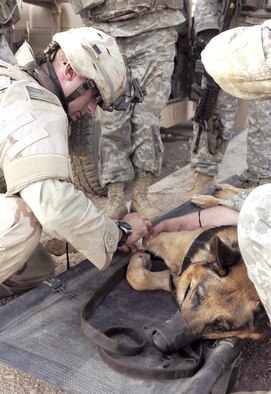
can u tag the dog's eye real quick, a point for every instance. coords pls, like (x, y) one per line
(187, 291)
(198, 296)
(221, 325)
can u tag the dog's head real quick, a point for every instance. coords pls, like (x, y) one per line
(215, 296)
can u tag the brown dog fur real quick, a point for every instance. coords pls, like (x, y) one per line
(214, 293)
(224, 192)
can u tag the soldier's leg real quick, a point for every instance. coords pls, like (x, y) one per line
(152, 63)
(6, 53)
(254, 232)
(115, 147)
(23, 262)
(115, 166)
(203, 162)
(258, 144)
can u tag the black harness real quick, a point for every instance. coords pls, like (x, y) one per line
(198, 243)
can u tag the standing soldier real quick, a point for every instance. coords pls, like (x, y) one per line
(9, 14)
(130, 146)
(209, 16)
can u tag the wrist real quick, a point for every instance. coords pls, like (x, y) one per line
(125, 231)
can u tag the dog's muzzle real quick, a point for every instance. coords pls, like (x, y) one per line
(173, 334)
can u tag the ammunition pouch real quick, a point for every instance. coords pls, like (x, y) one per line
(115, 10)
(9, 13)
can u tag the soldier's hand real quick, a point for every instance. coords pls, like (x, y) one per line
(167, 225)
(141, 227)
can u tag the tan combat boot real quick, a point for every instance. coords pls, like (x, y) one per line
(140, 202)
(201, 184)
(116, 205)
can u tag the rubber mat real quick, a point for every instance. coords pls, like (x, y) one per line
(41, 335)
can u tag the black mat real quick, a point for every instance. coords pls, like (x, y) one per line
(41, 335)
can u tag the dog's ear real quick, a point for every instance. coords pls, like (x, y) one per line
(225, 256)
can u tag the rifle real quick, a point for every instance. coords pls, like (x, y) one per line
(204, 116)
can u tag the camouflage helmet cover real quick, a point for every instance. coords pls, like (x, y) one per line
(96, 56)
(239, 60)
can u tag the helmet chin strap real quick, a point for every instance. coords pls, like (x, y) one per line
(76, 93)
(121, 104)
(55, 80)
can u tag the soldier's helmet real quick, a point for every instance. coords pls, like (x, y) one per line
(239, 60)
(95, 56)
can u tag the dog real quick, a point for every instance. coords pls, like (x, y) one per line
(213, 292)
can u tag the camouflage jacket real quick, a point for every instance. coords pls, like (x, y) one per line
(126, 18)
(209, 13)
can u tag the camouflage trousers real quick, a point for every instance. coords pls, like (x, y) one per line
(254, 232)
(131, 138)
(6, 53)
(24, 263)
(258, 138)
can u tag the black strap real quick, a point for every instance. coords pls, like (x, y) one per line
(109, 348)
(198, 243)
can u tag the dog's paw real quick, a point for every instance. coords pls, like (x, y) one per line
(136, 271)
(226, 191)
(204, 201)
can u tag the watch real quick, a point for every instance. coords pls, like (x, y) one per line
(126, 231)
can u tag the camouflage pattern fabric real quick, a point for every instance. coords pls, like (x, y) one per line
(208, 16)
(132, 138)
(19, 234)
(39, 267)
(202, 161)
(254, 232)
(150, 21)
(235, 202)
(6, 53)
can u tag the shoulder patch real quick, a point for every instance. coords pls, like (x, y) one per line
(42, 95)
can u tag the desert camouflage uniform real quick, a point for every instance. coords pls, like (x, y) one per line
(207, 16)
(147, 42)
(254, 232)
(35, 159)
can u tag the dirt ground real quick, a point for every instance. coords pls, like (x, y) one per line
(255, 367)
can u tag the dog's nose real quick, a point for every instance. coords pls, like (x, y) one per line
(173, 334)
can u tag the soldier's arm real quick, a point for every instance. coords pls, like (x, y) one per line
(65, 213)
(209, 217)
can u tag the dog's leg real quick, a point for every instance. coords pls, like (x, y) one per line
(140, 278)
(205, 200)
(224, 191)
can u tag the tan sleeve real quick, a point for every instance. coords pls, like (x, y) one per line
(65, 213)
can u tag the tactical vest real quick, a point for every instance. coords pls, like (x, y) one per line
(117, 10)
(33, 131)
